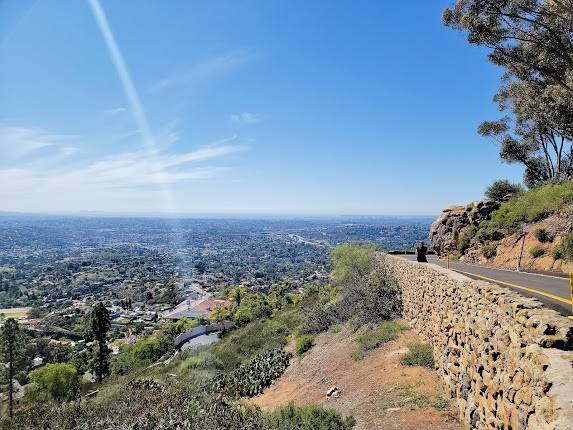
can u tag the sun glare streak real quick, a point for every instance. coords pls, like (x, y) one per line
(142, 123)
(133, 99)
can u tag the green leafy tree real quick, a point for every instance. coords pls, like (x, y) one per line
(352, 261)
(532, 41)
(59, 382)
(12, 354)
(98, 325)
(502, 190)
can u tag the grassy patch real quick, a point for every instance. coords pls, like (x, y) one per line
(309, 417)
(399, 396)
(15, 312)
(440, 402)
(419, 354)
(372, 339)
(532, 206)
(304, 343)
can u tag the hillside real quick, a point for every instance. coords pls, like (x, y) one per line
(399, 397)
(534, 227)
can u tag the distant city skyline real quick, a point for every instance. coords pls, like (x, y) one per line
(241, 109)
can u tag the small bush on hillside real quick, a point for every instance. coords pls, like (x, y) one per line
(465, 238)
(373, 299)
(440, 402)
(304, 343)
(372, 339)
(487, 233)
(309, 418)
(557, 253)
(536, 251)
(502, 190)
(489, 250)
(565, 249)
(542, 235)
(419, 355)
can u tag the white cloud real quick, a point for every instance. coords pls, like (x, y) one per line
(114, 111)
(119, 178)
(20, 142)
(210, 68)
(245, 118)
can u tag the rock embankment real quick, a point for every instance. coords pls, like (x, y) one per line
(453, 220)
(505, 359)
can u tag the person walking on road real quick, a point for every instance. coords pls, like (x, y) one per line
(421, 251)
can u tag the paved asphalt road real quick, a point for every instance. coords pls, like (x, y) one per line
(552, 290)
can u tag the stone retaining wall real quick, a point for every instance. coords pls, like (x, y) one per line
(505, 359)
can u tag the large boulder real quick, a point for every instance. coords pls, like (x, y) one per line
(446, 230)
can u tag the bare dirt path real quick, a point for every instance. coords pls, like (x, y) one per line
(378, 391)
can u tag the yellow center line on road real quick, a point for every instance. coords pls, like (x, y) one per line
(508, 284)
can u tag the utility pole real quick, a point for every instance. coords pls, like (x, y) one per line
(522, 236)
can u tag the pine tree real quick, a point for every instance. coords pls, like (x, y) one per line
(97, 328)
(11, 353)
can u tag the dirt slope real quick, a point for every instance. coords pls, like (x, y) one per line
(377, 390)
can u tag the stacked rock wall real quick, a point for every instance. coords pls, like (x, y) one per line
(505, 359)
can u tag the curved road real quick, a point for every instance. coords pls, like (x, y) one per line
(552, 290)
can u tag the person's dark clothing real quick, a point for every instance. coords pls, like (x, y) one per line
(421, 254)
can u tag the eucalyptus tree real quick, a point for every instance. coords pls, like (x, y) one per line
(532, 40)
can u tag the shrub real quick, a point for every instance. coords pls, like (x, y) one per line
(465, 238)
(536, 251)
(565, 248)
(336, 328)
(352, 260)
(557, 253)
(542, 235)
(502, 190)
(59, 382)
(487, 233)
(419, 355)
(489, 250)
(309, 418)
(304, 343)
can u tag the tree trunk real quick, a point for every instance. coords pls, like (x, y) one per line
(10, 385)
(99, 363)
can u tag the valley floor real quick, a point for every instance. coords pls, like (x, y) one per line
(378, 390)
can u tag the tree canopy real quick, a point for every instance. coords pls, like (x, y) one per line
(532, 40)
(58, 381)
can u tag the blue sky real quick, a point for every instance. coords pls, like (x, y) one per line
(253, 106)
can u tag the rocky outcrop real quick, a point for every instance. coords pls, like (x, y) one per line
(446, 230)
(505, 359)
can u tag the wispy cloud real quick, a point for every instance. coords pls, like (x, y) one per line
(245, 118)
(214, 67)
(20, 142)
(114, 111)
(97, 177)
